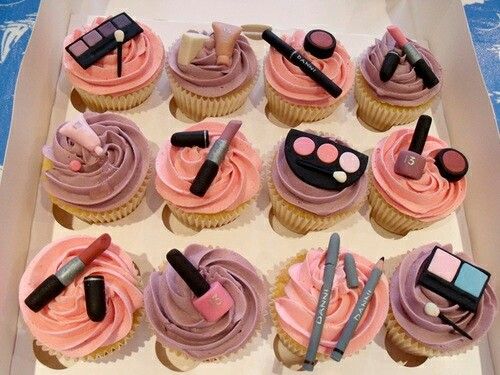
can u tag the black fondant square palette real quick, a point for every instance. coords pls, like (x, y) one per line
(322, 162)
(100, 41)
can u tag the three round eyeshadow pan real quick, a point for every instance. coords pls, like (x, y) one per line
(327, 153)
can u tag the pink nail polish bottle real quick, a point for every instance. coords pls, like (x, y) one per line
(411, 163)
(211, 300)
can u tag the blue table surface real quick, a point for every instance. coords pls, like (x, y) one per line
(17, 18)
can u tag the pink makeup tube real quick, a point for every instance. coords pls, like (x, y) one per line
(212, 301)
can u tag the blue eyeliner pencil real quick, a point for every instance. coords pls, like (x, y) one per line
(332, 255)
(359, 310)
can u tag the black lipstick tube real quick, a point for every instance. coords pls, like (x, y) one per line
(296, 58)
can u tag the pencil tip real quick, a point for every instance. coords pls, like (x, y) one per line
(382, 259)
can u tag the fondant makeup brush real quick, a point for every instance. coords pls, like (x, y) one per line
(119, 37)
(432, 309)
(53, 285)
(338, 175)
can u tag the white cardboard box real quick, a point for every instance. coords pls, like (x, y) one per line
(463, 116)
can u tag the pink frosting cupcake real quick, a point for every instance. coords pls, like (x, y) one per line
(237, 181)
(295, 296)
(99, 86)
(63, 327)
(400, 204)
(292, 96)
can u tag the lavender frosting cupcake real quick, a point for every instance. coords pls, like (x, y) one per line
(400, 100)
(303, 207)
(416, 332)
(180, 327)
(204, 86)
(101, 183)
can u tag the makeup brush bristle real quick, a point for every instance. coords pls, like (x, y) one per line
(119, 35)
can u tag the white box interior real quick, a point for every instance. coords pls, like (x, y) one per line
(462, 115)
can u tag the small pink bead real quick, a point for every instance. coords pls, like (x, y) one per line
(304, 146)
(75, 165)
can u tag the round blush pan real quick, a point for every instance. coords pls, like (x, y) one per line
(327, 153)
(304, 146)
(349, 162)
(320, 43)
(452, 164)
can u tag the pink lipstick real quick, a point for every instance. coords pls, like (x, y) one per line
(210, 167)
(414, 57)
(53, 285)
(212, 301)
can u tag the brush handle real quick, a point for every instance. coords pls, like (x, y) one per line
(448, 321)
(119, 57)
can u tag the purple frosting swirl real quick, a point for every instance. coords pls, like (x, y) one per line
(204, 77)
(408, 301)
(310, 198)
(405, 88)
(178, 325)
(103, 183)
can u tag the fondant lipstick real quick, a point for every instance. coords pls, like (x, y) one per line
(296, 58)
(210, 167)
(414, 57)
(211, 300)
(53, 285)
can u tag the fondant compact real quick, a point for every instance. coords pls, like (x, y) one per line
(322, 162)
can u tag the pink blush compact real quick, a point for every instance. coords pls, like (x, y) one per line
(322, 162)
(320, 43)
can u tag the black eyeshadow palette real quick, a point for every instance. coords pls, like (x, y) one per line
(323, 163)
(100, 41)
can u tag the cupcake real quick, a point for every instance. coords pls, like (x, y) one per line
(292, 96)
(211, 74)
(236, 183)
(409, 324)
(401, 203)
(401, 99)
(295, 296)
(180, 324)
(63, 327)
(99, 85)
(97, 167)
(316, 181)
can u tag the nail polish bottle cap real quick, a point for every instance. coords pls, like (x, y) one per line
(320, 43)
(420, 134)
(191, 276)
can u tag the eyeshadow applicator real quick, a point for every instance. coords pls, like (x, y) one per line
(53, 285)
(210, 167)
(432, 309)
(332, 255)
(119, 37)
(296, 58)
(422, 70)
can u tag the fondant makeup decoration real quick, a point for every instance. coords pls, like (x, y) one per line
(389, 65)
(119, 37)
(95, 297)
(199, 138)
(323, 163)
(452, 164)
(79, 131)
(226, 36)
(98, 42)
(455, 279)
(320, 43)
(191, 45)
(432, 309)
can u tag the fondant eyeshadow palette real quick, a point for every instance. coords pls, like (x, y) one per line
(98, 42)
(452, 278)
(322, 162)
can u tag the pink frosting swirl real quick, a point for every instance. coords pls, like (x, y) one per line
(143, 58)
(430, 198)
(292, 83)
(205, 77)
(405, 88)
(237, 181)
(63, 325)
(297, 308)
